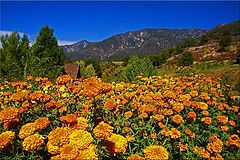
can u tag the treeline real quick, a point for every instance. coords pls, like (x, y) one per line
(18, 59)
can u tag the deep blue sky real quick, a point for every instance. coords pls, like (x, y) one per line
(96, 21)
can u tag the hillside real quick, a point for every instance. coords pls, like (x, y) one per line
(140, 42)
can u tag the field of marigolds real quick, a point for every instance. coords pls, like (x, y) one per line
(183, 117)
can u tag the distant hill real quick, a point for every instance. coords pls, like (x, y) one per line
(146, 41)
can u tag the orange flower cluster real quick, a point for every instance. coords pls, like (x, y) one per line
(64, 79)
(116, 144)
(155, 152)
(234, 141)
(215, 145)
(6, 138)
(8, 116)
(182, 147)
(103, 130)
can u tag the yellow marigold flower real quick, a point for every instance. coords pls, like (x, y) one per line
(135, 157)
(69, 152)
(6, 138)
(82, 123)
(89, 154)
(33, 142)
(116, 144)
(224, 128)
(177, 119)
(8, 114)
(27, 130)
(166, 132)
(41, 123)
(234, 141)
(103, 130)
(174, 133)
(194, 93)
(82, 139)
(53, 149)
(203, 106)
(158, 117)
(155, 152)
(182, 147)
(201, 152)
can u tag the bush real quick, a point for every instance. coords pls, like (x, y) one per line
(224, 43)
(137, 66)
(186, 59)
(86, 71)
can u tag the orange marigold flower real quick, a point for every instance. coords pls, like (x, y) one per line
(6, 138)
(156, 152)
(182, 147)
(232, 123)
(158, 117)
(169, 94)
(178, 107)
(175, 134)
(80, 138)
(130, 138)
(191, 116)
(143, 115)
(8, 114)
(201, 152)
(222, 119)
(116, 144)
(27, 130)
(177, 119)
(217, 157)
(153, 135)
(69, 151)
(33, 142)
(234, 141)
(215, 146)
(128, 114)
(206, 120)
(63, 79)
(224, 128)
(69, 118)
(194, 93)
(205, 113)
(189, 133)
(103, 130)
(41, 123)
(161, 125)
(110, 103)
(166, 132)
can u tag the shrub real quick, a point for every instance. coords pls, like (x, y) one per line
(137, 66)
(186, 59)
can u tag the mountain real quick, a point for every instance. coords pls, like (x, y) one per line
(139, 42)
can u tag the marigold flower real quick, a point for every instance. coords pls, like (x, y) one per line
(174, 133)
(177, 119)
(80, 138)
(41, 123)
(33, 142)
(8, 114)
(156, 152)
(178, 107)
(224, 128)
(143, 115)
(215, 146)
(182, 147)
(6, 138)
(153, 135)
(103, 130)
(116, 144)
(89, 153)
(128, 114)
(169, 94)
(166, 132)
(130, 138)
(110, 103)
(203, 106)
(63, 79)
(135, 157)
(69, 118)
(191, 116)
(201, 152)
(158, 117)
(27, 130)
(234, 141)
(69, 151)
(232, 123)
(217, 157)
(222, 119)
(82, 123)
(205, 113)
(206, 120)
(194, 93)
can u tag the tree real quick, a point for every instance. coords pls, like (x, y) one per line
(186, 59)
(137, 66)
(96, 66)
(86, 72)
(204, 39)
(47, 56)
(224, 43)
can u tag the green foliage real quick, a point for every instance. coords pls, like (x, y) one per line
(225, 42)
(157, 59)
(86, 71)
(137, 66)
(186, 59)
(96, 66)
(204, 39)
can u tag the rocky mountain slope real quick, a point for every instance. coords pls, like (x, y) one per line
(137, 42)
